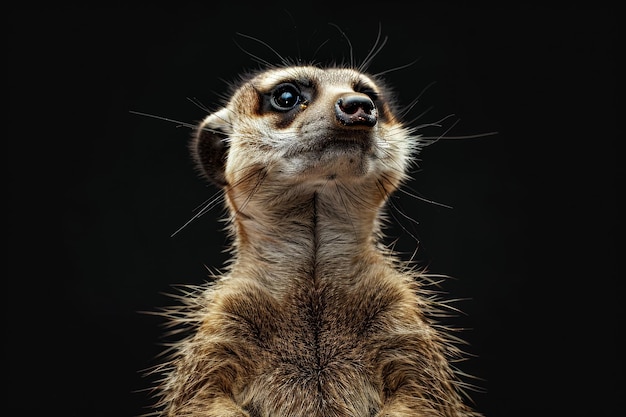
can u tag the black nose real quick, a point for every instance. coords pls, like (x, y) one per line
(356, 109)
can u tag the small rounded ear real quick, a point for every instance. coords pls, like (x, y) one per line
(209, 146)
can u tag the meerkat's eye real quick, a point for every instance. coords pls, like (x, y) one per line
(285, 97)
(370, 93)
(365, 89)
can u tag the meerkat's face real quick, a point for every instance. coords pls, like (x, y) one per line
(305, 125)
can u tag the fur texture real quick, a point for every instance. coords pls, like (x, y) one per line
(314, 316)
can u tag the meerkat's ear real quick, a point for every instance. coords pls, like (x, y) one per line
(209, 146)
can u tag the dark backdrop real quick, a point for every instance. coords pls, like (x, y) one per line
(94, 191)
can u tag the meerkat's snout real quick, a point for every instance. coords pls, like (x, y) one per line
(356, 109)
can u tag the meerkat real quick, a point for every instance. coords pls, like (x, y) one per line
(314, 316)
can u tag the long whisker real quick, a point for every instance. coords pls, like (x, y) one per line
(398, 68)
(261, 174)
(297, 38)
(396, 209)
(254, 57)
(374, 51)
(478, 135)
(415, 101)
(351, 49)
(206, 207)
(265, 44)
(319, 48)
(445, 131)
(165, 119)
(199, 104)
(435, 124)
(211, 203)
(415, 195)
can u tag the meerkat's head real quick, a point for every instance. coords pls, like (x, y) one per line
(305, 126)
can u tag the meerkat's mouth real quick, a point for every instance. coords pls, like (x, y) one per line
(331, 155)
(336, 156)
(330, 143)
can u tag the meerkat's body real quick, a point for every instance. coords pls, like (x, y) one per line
(314, 317)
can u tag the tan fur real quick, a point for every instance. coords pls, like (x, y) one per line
(314, 318)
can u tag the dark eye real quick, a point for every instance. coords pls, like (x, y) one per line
(285, 97)
(370, 93)
(363, 88)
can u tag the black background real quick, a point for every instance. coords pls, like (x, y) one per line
(94, 191)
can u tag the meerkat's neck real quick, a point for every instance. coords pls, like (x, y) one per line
(326, 232)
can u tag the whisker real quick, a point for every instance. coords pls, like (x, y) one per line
(396, 209)
(218, 197)
(351, 49)
(415, 101)
(478, 135)
(165, 119)
(398, 68)
(415, 195)
(206, 207)
(265, 44)
(434, 124)
(374, 50)
(297, 37)
(254, 57)
(319, 48)
(446, 131)
(199, 104)
(261, 173)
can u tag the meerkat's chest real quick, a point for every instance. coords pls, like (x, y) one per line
(316, 355)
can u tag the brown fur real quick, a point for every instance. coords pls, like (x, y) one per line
(314, 317)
